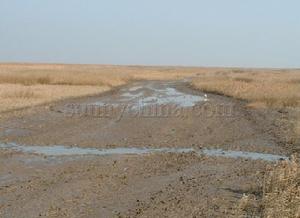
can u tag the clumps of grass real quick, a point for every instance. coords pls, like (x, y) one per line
(244, 79)
(16, 96)
(44, 80)
(295, 81)
(20, 94)
(292, 101)
(281, 194)
(7, 78)
(249, 206)
(238, 71)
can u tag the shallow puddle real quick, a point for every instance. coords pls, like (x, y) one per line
(67, 151)
(59, 150)
(152, 94)
(243, 154)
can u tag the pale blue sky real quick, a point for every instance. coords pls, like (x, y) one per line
(253, 33)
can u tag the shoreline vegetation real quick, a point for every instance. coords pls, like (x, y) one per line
(23, 85)
(262, 88)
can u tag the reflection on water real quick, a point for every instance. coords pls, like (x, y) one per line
(67, 151)
(150, 95)
(243, 154)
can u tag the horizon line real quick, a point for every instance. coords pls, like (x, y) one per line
(146, 65)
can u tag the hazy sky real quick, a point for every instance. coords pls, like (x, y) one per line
(257, 33)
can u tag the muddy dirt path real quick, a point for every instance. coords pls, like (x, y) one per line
(148, 149)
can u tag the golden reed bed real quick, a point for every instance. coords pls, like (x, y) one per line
(262, 88)
(23, 85)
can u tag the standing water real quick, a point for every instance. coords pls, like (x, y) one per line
(67, 151)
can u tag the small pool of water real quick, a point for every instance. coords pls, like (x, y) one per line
(59, 150)
(151, 94)
(243, 154)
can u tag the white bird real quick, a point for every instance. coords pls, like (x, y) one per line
(205, 97)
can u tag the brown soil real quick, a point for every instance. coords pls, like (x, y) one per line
(152, 185)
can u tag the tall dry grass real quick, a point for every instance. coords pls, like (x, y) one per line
(55, 74)
(22, 85)
(281, 196)
(60, 75)
(262, 88)
(16, 96)
(269, 88)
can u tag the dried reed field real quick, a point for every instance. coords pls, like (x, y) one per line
(23, 85)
